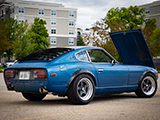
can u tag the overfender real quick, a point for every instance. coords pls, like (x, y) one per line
(81, 71)
(145, 72)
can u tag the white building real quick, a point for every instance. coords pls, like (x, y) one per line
(152, 10)
(61, 21)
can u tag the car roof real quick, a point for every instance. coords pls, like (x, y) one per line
(83, 47)
(52, 53)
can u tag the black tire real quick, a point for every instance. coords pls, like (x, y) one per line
(82, 90)
(33, 96)
(147, 86)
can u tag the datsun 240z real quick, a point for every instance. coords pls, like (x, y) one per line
(83, 72)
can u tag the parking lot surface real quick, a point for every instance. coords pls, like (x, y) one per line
(125, 106)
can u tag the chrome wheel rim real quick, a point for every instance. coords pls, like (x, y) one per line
(85, 89)
(148, 85)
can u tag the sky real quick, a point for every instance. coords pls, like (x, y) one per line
(90, 11)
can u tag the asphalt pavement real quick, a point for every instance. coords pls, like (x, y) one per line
(125, 106)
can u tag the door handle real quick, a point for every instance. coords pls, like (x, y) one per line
(100, 70)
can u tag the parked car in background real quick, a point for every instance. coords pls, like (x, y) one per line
(7, 64)
(83, 72)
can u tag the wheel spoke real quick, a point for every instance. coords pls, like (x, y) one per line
(84, 91)
(81, 84)
(85, 87)
(79, 88)
(150, 86)
(145, 89)
(81, 93)
(144, 84)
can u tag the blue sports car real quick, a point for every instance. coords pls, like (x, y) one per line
(80, 73)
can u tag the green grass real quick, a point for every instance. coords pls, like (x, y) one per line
(1, 69)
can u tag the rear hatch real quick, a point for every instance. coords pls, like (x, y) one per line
(132, 48)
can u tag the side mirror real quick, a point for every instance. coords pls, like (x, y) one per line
(113, 62)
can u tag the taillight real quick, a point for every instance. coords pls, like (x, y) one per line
(40, 74)
(9, 74)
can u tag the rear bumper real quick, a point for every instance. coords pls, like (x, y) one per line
(26, 86)
(36, 86)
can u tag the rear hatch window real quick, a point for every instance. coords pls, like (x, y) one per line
(47, 54)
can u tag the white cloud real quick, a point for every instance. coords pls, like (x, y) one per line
(89, 11)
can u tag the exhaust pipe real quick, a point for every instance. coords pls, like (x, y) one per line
(42, 90)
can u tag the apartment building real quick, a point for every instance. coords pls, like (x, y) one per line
(61, 21)
(152, 10)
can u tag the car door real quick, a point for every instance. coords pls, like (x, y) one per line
(110, 76)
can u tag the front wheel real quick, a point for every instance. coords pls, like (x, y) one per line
(147, 87)
(33, 96)
(82, 90)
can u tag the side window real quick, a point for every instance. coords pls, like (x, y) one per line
(99, 56)
(82, 56)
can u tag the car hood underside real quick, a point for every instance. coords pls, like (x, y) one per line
(132, 48)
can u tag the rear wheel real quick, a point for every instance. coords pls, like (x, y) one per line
(33, 96)
(147, 87)
(82, 90)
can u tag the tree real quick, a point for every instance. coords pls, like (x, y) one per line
(21, 44)
(150, 26)
(80, 42)
(5, 44)
(16, 38)
(7, 36)
(38, 35)
(156, 40)
(30, 40)
(128, 18)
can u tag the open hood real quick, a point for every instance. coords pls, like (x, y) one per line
(132, 48)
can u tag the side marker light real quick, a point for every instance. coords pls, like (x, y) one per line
(53, 75)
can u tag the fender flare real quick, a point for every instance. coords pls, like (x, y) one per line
(145, 72)
(81, 71)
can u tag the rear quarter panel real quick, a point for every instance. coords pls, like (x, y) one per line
(64, 71)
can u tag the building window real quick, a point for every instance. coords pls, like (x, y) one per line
(53, 40)
(71, 32)
(53, 22)
(71, 41)
(147, 11)
(41, 12)
(20, 20)
(21, 10)
(71, 14)
(79, 33)
(53, 12)
(53, 31)
(2, 13)
(71, 23)
(146, 20)
(11, 10)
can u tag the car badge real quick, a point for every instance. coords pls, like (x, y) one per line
(72, 58)
(26, 64)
